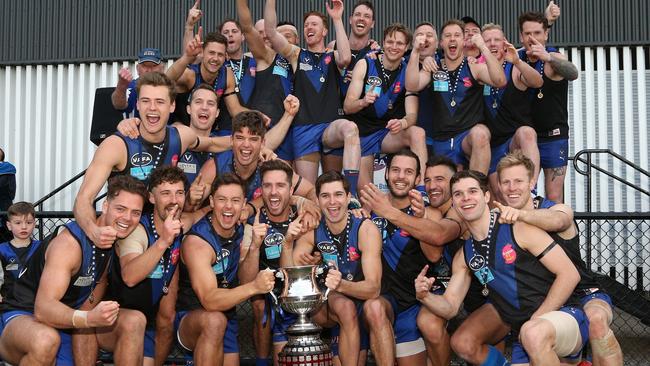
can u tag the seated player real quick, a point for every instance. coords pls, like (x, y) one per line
(352, 248)
(62, 286)
(209, 287)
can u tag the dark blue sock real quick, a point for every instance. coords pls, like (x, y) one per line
(261, 361)
(495, 358)
(352, 176)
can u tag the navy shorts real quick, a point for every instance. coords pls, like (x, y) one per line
(307, 139)
(519, 355)
(498, 152)
(285, 150)
(230, 344)
(364, 337)
(452, 148)
(150, 343)
(554, 153)
(405, 326)
(63, 356)
(281, 322)
(370, 145)
(598, 295)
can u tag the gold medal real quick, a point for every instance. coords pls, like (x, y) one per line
(540, 95)
(485, 292)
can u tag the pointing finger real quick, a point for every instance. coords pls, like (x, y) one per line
(196, 4)
(424, 270)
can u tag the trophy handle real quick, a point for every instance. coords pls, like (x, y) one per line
(322, 271)
(280, 276)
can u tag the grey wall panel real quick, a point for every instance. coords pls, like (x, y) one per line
(56, 31)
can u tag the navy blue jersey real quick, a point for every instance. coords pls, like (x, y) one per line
(272, 85)
(550, 113)
(225, 164)
(389, 87)
(317, 86)
(402, 261)
(244, 75)
(192, 161)
(146, 295)
(519, 281)
(225, 266)
(588, 283)
(457, 101)
(13, 260)
(506, 109)
(272, 246)
(142, 157)
(343, 249)
(93, 263)
(425, 107)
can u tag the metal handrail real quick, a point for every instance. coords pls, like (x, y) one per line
(578, 157)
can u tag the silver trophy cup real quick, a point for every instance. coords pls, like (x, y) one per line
(301, 295)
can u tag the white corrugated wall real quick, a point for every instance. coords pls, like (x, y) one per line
(46, 113)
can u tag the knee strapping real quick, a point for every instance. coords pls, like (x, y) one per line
(606, 346)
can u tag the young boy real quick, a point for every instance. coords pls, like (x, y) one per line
(16, 252)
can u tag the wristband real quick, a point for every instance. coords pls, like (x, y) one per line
(80, 319)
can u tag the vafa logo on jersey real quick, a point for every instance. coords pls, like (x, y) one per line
(141, 159)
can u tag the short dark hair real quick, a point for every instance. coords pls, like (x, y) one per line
(21, 209)
(367, 4)
(532, 16)
(330, 177)
(452, 22)
(229, 20)
(477, 176)
(403, 152)
(2, 155)
(435, 160)
(126, 183)
(203, 86)
(253, 120)
(166, 174)
(215, 37)
(227, 179)
(276, 164)
(318, 14)
(157, 79)
(398, 27)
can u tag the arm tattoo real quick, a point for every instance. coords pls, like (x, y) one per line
(558, 172)
(564, 68)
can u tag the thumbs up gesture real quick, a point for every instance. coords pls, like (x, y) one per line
(552, 12)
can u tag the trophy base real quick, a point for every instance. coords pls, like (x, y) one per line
(305, 350)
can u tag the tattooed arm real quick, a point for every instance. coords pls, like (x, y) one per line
(563, 67)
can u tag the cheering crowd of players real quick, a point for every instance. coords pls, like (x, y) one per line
(213, 183)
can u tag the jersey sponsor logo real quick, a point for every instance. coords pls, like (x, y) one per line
(11, 267)
(283, 63)
(141, 159)
(273, 239)
(188, 168)
(403, 233)
(252, 71)
(175, 255)
(257, 193)
(187, 157)
(84, 281)
(373, 81)
(440, 76)
(219, 92)
(398, 88)
(467, 82)
(175, 160)
(354, 255)
(328, 59)
(327, 247)
(508, 253)
(380, 163)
